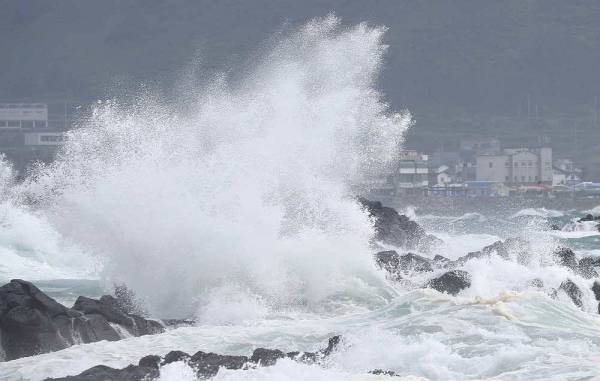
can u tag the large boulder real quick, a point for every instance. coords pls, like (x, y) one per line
(452, 282)
(32, 323)
(110, 309)
(566, 257)
(396, 229)
(587, 267)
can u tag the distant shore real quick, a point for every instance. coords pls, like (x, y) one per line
(495, 205)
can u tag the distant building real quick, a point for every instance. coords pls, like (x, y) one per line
(486, 189)
(23, 116)
(516, 166)
(440, 176)
(30, 132)
(411, 175)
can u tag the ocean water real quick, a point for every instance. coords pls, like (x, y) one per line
(235, 207)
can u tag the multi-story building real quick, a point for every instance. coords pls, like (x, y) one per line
(23, 116)
(27, 134)
(412, 172)
(516, 166)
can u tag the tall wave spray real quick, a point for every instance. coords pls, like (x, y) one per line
(249, 192)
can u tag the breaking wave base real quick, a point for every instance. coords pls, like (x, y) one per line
(234, 204)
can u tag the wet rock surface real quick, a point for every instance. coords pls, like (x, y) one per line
(452, 282)
(32, 323)
(573, 291)
(397, 229)
(205, 364)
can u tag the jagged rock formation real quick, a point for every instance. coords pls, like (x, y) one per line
(32, 323)
(205, 365)
(397, 229)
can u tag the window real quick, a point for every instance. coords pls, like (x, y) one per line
(523, 164)
(516, 179)
(505, 178)
(530, 164)
(51, 138)
(536, 178)
(27, 123)
(40, 123)
(491, 164)
(523, 179)
(507, 164)
(14, 123)
(529, 179)
(2, 123)
(516, 164)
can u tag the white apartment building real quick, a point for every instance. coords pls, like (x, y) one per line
(23, 115)
(412, 172)
(516, 166)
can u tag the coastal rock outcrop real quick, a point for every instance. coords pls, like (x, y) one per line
(397, 229)
(32, 323)
(205, 364)
(397, 264)
(452, 282)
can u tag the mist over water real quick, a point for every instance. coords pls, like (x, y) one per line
(248, 189)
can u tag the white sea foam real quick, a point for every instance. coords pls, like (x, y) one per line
(538, 212)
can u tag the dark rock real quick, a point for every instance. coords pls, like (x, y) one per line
(310, 357)
(596, 291)
(110, 308)
(451, 282)
(150, 361)
(32, 323)
(175, 356)
(572, 291)
(176, 323)
(381, 372)
(105, 373)
(205, 364)
(266, 357)
(440, 260)
(208, 364)
(588, 217)
(498, 248)
(332, 345)
(566, 257)
(554, 227)
(393, 228)
(586, 267)
(396, 264)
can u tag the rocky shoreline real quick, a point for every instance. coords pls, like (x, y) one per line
(33, 323)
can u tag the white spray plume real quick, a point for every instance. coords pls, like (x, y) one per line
(250, 189)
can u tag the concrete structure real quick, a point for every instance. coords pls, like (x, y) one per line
(44, 138)
(23, 115)
(516, 166)
(411, 175)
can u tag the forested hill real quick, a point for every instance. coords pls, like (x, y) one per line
(447, 59)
